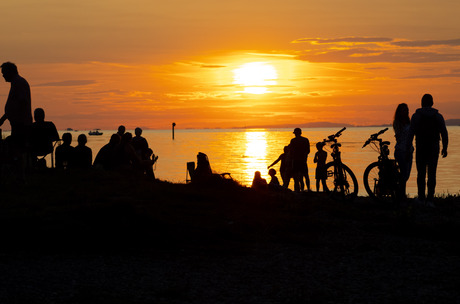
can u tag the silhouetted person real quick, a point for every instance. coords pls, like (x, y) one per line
(43, 135)
(285, 166)
(403, 149)
(121, 131)
(258, 182)
(106, 157)
(83, 155)
(429, 127)
(149, 160)
(299, 148)
(18, 109)
(140, 144)
(126, 158)
(273, 178)
(203, 172)
(65, 152)
(321, 173)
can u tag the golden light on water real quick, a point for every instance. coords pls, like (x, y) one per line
(256, 153)
(255, 77)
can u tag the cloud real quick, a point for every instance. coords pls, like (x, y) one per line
(376, 56)
(427, 43)
(451, 75)
(378, 50)
(66, 83)
(201, 64)
(213, 66)
(343, 40)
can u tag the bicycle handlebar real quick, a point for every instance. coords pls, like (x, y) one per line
(334, 136)
(379, 133)
(340, 132)
(374, 137)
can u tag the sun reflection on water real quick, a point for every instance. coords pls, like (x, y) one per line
(255, 154)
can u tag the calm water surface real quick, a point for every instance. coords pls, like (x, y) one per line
(242, 152)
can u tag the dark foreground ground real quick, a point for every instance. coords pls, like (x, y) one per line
(95, 238)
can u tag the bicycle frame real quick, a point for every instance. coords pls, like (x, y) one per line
(342, 189)
(386, 183)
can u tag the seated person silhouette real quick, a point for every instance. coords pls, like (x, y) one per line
(64, 152)
(43, 134)
(258, 182)
(83, 155)
(148, 161)
(105, 158)
(140, 144)
(203, 172)
(274, 182)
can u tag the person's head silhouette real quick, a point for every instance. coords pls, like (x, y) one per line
(427, 101)
(67, 138)
(39, 115)
(121, 130)
(9, 71)
(319, 146)
(138, 131)
(82, 140)
(297, 132)
(126, 138)
(114, 139)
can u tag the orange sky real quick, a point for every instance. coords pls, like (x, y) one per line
(146, 63)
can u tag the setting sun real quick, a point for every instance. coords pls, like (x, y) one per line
(254, 77)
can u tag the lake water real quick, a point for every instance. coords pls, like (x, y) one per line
(242, 152)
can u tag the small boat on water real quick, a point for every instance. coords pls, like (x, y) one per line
(95, 132)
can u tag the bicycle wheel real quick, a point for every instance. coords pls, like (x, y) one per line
(381, 183)
(341, 182)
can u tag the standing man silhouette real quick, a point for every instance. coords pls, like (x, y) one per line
(299, 148)
(429, 127)
(18, 108)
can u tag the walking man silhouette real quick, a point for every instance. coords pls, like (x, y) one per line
(428, 126)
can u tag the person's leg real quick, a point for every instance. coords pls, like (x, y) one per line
(420, 161)
(317, 184)
(432, 166)
(307, 177)
(325, 188)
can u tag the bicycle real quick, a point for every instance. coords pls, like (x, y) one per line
(381, 178)
(341, 181)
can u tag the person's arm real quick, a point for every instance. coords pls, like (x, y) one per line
(444, 135)
(2, 120)
(411, 132)
(275, 162)
(54, 133)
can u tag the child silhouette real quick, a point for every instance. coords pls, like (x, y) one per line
(320, 160)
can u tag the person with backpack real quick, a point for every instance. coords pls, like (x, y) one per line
(428, 127)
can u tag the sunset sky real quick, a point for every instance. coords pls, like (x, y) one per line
(219, 64)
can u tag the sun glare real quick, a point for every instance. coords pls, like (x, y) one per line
(255, 154)
(255, 77)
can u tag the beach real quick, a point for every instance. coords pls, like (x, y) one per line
(97, 237)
